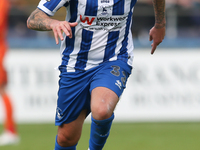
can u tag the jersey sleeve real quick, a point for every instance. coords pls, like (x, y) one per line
(51, 6)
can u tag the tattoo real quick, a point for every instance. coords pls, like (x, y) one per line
(159, 9)
(38, 20)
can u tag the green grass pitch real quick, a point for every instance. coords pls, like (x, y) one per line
(124, 136)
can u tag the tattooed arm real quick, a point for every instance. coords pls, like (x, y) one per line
(159, 9)
(40, 21)
(157, 33)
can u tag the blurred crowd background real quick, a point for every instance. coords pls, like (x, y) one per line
(182, 28)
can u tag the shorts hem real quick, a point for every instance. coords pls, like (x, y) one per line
(118, 92)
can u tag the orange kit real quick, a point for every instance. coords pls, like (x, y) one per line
(4, 10)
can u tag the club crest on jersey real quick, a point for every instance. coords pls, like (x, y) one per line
(104, 11)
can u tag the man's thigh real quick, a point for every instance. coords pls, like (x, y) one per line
(103, 102)
(107, 86)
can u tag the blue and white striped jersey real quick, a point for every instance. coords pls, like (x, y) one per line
(102, 34)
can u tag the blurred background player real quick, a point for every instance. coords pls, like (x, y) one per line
(9, 135)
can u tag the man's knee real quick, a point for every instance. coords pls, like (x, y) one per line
(65, 140)
(103, 103)
(101, 112)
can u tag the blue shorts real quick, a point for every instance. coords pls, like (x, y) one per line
(75, 88)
